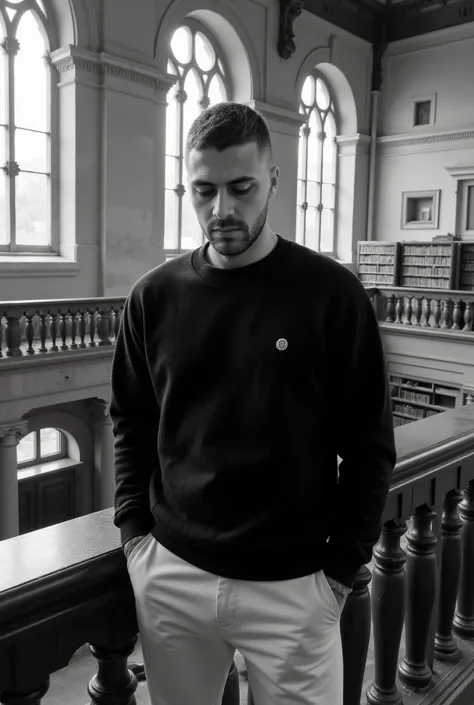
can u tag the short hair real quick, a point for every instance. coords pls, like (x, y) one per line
(226, 125)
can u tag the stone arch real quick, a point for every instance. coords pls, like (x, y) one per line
(79, 436)
(341, 88)
(223, 22)
(75, 22)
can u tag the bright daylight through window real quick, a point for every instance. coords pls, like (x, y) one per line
(201, 82)
(317, 168)
(25, 103)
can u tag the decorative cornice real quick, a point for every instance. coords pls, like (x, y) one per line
(277, 114)
(426, 138)
(103, 64)
(289, 11)
(353, 144)
(69, 357)
(17, 428)
(461, 172)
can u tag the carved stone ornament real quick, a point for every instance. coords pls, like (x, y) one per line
(100, 407)
(11, 46)
(19, 429)
(289, 11)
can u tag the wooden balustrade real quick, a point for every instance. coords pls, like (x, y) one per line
(40, 327)
(436, 309)
(68, 585)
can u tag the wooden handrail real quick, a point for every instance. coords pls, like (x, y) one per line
(71, 579)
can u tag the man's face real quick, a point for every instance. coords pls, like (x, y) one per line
(230, 191)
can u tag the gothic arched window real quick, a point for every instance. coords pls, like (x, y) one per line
(202, 80)
(317, 167)
(26, 91)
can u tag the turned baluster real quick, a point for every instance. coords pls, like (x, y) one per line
(103, 326)
(355, 635)
(53, 331)
(390, 309)
(13, 336)
(414, 670)
(457, 315)
(114, 683)
(82, 328)
(418, 310)
(92, 328)
(468, 316)
(388, 613)
(437, 313)
(32, 697)
(409, 310)
(450, 566)
(427, 316)
(43, 332)
(117, 319)
(29, 333)
(63, 317)
(399, 310)
(446, 316)
(73, 314)
(463, 624)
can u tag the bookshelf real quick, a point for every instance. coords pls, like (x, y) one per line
(466, 266)
(428, 265)
(414, 399)
(378, 262)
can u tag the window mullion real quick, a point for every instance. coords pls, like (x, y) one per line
(321, 165)
(181, 104)
(306, 160)
(11, 49)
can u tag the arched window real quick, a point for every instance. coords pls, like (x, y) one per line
(26, 91)
(41, 446)
(202, 80)
(317, 168)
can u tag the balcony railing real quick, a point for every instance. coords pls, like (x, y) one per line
(41, 327)
(438, 309)
(68, 585)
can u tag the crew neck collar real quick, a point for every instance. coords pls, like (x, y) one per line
(238, 275)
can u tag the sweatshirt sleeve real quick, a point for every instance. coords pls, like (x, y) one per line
(364, 438)
(135, 416)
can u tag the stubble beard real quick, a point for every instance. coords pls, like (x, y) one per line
(236, 243)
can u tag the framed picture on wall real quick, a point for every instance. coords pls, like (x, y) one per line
(420, 210)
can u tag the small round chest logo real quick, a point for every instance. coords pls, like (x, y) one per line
(282, 344)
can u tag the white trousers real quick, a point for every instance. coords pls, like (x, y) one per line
(191, 622)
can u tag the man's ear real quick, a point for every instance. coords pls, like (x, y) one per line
(274, 180)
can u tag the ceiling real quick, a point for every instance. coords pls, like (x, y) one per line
(398, 19)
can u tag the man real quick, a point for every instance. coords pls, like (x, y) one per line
(241, 372)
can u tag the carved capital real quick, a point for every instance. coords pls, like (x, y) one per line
(100, 407)
(15, 428)
(289, 11)
(11, 46)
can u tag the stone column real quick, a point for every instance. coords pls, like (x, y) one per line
(117, 167)
(104, 478)
(353, 176)
(10, 435)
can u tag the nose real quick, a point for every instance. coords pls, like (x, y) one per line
(223, 204)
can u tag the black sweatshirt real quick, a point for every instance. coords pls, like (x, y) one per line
(233, 392)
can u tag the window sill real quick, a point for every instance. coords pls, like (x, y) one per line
(46, 467)
(37, 265)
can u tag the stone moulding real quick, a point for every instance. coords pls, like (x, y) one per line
(103, 64)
